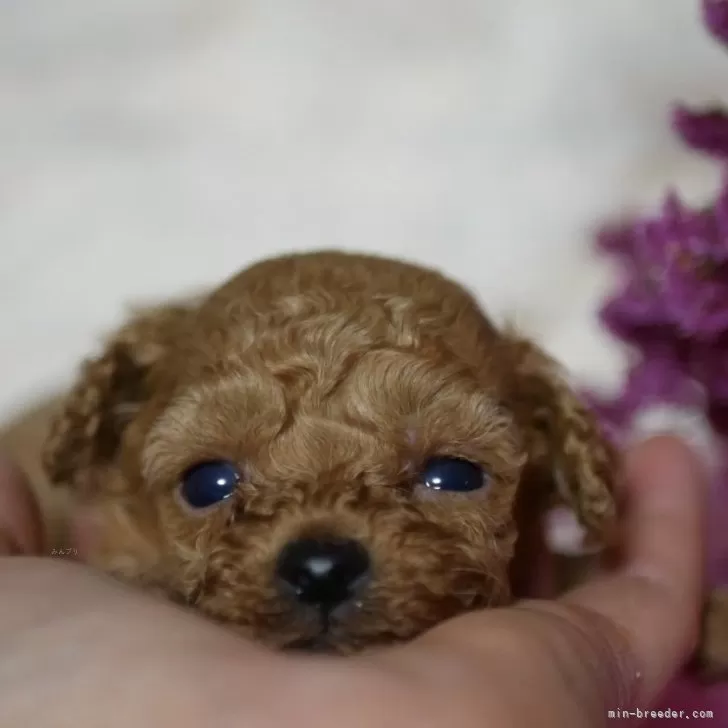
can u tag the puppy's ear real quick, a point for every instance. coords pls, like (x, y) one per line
(86, 434)
(568, 455)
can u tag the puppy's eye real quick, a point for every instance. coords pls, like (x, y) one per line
(208, 483)
(453, 474)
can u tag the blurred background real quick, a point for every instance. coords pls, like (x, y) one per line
(149, 148)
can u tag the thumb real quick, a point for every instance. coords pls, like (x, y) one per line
(613, 643)
(617, 641)
(654, 601)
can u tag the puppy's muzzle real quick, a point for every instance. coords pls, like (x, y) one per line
(324, 574)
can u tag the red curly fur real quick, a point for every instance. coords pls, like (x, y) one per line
(329, 378)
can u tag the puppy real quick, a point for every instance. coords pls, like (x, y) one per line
(330, 452)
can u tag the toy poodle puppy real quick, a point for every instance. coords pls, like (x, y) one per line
(330, 451)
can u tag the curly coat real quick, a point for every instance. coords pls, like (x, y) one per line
(329, 378)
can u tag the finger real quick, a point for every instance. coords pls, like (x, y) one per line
(610, 644)
(654, 599)
(20, 522)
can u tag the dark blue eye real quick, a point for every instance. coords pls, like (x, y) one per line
(453, 474)
(209, 483)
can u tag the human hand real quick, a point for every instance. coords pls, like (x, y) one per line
(80, 650)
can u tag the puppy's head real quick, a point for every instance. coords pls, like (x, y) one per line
(327, 480)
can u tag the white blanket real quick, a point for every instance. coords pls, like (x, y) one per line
(150, 147)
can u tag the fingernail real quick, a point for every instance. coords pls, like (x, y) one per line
(684, 427)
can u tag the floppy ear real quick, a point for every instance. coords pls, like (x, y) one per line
(88, 431)
(569, 458)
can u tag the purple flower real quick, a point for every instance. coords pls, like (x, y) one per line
(610, 412)
(700, 307)
(687, 254)
(718, 418)
(617, 239)
(661, 379)
(634, 316)
(715, 16)
(720, 217)
(682, 233)
(672, 309)
(659, 374)
(705, 131)
(677, 272)
(708, 365)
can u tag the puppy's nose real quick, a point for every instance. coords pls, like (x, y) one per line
(323, 573)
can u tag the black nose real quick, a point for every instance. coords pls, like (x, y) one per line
(323, 573)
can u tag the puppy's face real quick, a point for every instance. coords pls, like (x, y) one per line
(362, 516)
(328, 481)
